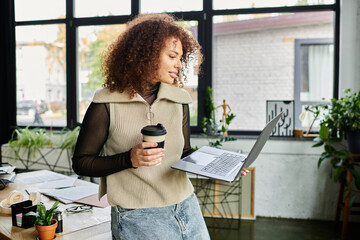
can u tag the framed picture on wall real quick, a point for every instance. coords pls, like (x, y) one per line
(285, 126)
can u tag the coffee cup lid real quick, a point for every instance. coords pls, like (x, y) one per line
(154, 130)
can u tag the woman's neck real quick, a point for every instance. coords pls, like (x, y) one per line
(150, 95)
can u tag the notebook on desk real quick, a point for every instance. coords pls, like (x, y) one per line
(221, 164)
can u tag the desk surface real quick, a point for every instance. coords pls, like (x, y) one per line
(83, 225)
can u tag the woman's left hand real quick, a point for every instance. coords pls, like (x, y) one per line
(244, 172)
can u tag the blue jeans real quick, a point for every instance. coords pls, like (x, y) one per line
(180, 221)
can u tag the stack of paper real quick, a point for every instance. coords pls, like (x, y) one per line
(8, 169)
(63, 188)
(7, 173)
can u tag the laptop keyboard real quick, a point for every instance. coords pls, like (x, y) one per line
(223, 165)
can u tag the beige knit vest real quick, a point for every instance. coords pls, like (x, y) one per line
(145, 187)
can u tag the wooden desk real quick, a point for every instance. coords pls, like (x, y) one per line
(94, 224)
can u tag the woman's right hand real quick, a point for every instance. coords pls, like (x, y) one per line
(146, 157)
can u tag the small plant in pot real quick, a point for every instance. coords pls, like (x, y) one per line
(339, 133)
(44, 222)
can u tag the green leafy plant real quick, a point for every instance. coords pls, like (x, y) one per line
(43, 216)
(29, 139)
(337, 119)
(210, 125)
(68, 139)
(208, 122)
(228, 120)
(32, 139)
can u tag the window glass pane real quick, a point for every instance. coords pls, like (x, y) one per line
(254, 60)
(92, 41)
(95, 8)
(191, 84)
(317, 69)
(229, 4)
(41, 75)
(153, 6)
(39, 9)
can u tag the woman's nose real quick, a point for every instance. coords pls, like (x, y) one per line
(178, 64)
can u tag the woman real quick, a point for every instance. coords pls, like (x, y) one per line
(143, 70)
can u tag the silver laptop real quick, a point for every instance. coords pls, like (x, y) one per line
(221, 164)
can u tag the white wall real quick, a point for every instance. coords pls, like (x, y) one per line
(349, 46)
(288, 183)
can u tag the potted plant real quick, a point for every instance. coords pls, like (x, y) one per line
(339, 131)
(38, 148)
(44, 222)
(29, 140)
(210, 125)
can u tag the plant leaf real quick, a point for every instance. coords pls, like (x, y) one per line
(333, 140)
(33, 214)
(329, 148)
(337, 174)
(319, 143)
(41, 210)
(49, 213)
(55, 205)
(323, 156)
(40, 222)
(356, 177)
(324, 132)
(343, 154)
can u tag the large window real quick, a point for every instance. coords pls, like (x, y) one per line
(253, 51)
(253, 59)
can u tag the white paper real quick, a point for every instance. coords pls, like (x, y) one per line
(51, 176)
(7, 170)
(74, 193)
(63, 183)
(46, 192)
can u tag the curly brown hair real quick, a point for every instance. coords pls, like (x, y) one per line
(131, 62)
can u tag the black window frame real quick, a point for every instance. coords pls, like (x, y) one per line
(205, 34)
